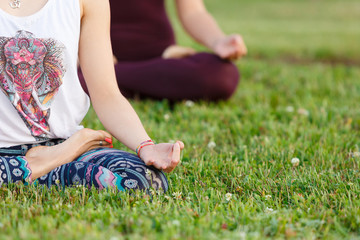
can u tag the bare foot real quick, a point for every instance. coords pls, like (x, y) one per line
(43, 159)
(115, 60)
(176, 51)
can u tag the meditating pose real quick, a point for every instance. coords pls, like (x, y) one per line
(149, 64)
(42, 102)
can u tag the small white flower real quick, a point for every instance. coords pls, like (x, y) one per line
(228, 196)
(350, 183)
(211, 144)
(303, 111)
(57, 181)
(206, 198)
(267, 197)
(269, 210)
(295, 162)
(177, 195)
(356, 154)
(289, 109)
(242, 235)
(189, 103)
(167, 197)
(148, 172)
(176, 222)
(166, 117)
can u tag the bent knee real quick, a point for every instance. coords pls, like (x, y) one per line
(220, 78)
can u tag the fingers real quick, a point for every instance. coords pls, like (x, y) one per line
(175, 156)
(237, 47)
(105, 134)
(163, 156)
(181, 144)
(99, 138)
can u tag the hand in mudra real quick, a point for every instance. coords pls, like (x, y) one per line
(230, 47)
(163, 156)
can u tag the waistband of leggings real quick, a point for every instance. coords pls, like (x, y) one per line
(21, 150)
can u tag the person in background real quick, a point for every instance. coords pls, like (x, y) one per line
(149, 64)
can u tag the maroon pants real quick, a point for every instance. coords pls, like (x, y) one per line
(201, 76)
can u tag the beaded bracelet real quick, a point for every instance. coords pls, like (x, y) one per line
(143, 144)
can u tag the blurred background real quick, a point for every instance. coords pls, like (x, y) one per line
(291, 30)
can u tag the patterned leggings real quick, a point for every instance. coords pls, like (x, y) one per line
(100, 168)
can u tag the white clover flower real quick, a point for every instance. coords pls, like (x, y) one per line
(167, 197)
(228, 196)
(166, 117)
(176, 222)
(57, 181)
(356, 154)
(267, 197)
(242, 235)
(211, 144)
(350, 183)
(303, 111)
(148, 172)
(295, 162)
(289, 109)
(177, 195)
(189, 103)
(269, 210)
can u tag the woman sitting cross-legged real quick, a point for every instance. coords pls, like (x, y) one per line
(148, 63)
(42, 102)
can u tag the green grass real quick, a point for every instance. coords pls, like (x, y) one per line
(281, 110)
(302, 30)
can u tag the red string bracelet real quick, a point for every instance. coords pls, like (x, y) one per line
(143, 144)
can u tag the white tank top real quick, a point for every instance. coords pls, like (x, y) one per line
(41, 97)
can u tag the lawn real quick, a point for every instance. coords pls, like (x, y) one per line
(298, 98)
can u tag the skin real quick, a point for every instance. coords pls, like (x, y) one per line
(114, 111)
(194, 16)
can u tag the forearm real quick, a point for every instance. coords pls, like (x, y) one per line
(199, 23)
(120, 119)
(95, 56)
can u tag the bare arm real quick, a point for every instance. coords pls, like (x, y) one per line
(95, 55)
(203, 28)
(113, 110)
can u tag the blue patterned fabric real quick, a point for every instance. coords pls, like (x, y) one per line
(14, 169)
(100, 168)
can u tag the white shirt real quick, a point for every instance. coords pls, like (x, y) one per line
(41, 96)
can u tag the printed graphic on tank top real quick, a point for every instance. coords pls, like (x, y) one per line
(31, 72)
